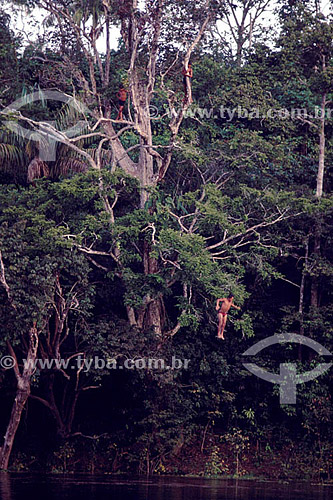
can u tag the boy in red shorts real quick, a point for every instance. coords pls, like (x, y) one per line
(223, 306)
(122, 96)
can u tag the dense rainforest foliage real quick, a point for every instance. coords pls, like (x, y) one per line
(118, 237)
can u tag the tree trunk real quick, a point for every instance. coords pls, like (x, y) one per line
(314, 299)
(64, 412)
(321, 163)
(302, 288)
(52, 405)
(153, 312)
(5, 486)
(240, 43)
(301, 297)
(319, 192)
(22, 394)
(141, 102)
(121, 158)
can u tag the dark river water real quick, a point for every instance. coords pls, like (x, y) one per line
(83, 487)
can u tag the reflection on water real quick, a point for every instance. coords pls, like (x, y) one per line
(82, 487)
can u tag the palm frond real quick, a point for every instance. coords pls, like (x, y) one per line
(65, 166)
(11, 155)
(37, 169)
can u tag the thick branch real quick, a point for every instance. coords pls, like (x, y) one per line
(251, 229)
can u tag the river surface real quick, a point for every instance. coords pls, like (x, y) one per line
(85, 487)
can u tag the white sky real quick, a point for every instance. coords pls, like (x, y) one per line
(30, 25)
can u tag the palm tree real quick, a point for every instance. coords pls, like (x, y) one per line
(20, 158)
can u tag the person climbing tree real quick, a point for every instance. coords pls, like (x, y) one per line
(122, 96)
(223, 306)
(187, 73)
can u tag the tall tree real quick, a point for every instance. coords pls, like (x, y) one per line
(144, 32)
(306, 39)
(45, 295)
(243, 18)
